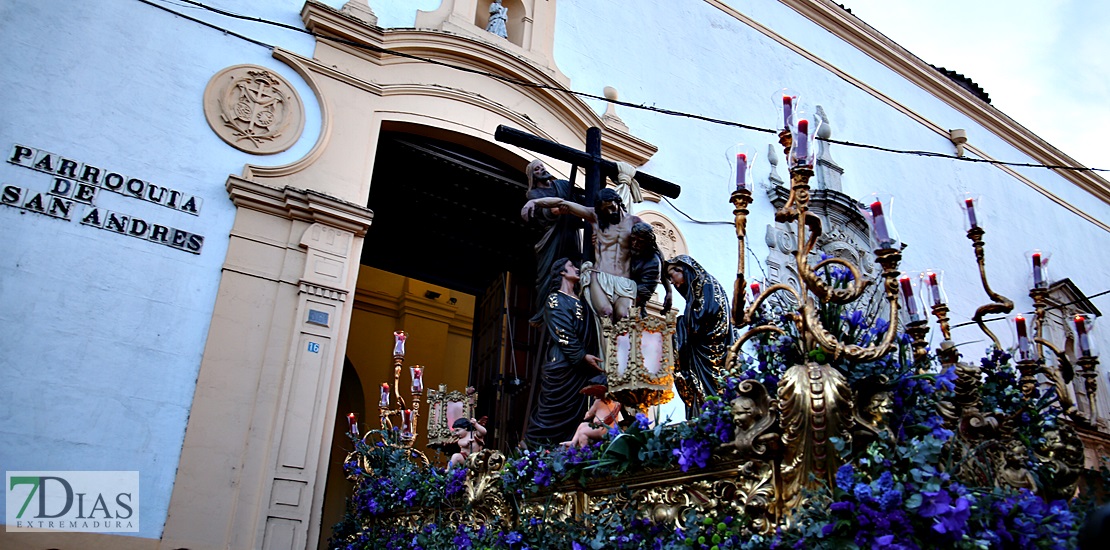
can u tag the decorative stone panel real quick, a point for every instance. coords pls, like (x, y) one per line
(253, 109)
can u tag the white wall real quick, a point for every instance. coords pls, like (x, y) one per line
(692, 57)
(104, 332)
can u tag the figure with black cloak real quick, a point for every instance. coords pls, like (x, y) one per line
(560, 233)
(647, 266)
(567, 367)
(703, 334)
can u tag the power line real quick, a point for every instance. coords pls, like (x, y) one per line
(601, 98)
(560, 89)
(1081, 299)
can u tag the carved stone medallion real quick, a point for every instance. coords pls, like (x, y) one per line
(253, 109)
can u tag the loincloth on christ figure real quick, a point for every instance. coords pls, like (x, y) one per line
(614, 286)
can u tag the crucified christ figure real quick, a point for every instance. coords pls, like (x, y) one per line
(611, 291)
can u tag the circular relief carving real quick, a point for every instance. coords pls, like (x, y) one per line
(253, 109)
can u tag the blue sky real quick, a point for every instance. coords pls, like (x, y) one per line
(1045, 63)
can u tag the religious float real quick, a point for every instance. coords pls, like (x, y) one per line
(826, 421)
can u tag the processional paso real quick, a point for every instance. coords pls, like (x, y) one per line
(792, 436)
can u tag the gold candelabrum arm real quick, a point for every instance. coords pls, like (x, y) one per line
(1059, 375)
(1088, 369)
(826, 293)
(767, 293)
(1001, 303)
(386, 414)
(812, 327)
(855, 352)
(740, 199)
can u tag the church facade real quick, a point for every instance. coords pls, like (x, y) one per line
(217, 214)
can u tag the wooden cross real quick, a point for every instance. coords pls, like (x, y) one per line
(590, 160)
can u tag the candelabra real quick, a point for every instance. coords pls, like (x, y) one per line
(1087, 360)
(408, 417)
(1064, 372)
(815, 402)
(1000, 303)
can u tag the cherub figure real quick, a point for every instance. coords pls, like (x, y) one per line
(471, 439)
(603, 414)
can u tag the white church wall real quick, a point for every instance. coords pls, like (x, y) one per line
(105, 331)
(701, 60)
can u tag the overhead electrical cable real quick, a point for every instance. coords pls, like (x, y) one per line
(560, 89)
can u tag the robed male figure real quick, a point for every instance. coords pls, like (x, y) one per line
(566, 367)
(560, 233)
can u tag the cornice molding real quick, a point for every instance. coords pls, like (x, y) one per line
(319, 291)
(299, 204)
(394, 306)
(478, 55)
(852, 30)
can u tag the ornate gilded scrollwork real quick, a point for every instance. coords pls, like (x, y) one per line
(815, 404)
(1062, 450)
(754, 422)
(484, 495)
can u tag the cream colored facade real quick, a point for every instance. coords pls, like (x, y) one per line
(292, 251)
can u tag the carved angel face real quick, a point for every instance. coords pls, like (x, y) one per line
(880, 405)
(743, 411)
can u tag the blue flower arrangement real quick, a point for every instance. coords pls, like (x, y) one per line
(907, 489)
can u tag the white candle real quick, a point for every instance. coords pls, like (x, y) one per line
(971, 219)
(1081, 334)
(399, 343)
(907, 296)
(406, 422)
(1023, 337)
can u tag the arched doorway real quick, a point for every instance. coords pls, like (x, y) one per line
(449, 260)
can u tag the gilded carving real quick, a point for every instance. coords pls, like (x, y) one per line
(253, 109)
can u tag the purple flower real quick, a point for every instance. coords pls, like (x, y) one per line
(856, 319)
(642, 421)
(513, 537)
(462, 540)
(409, 498)
(934, 503)
(845, 477)
(543, 476)
(691, 452)
(936, 425)
(947, 379)
(862, 492)
(841, 506)
(890, 499)
(456, 478)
